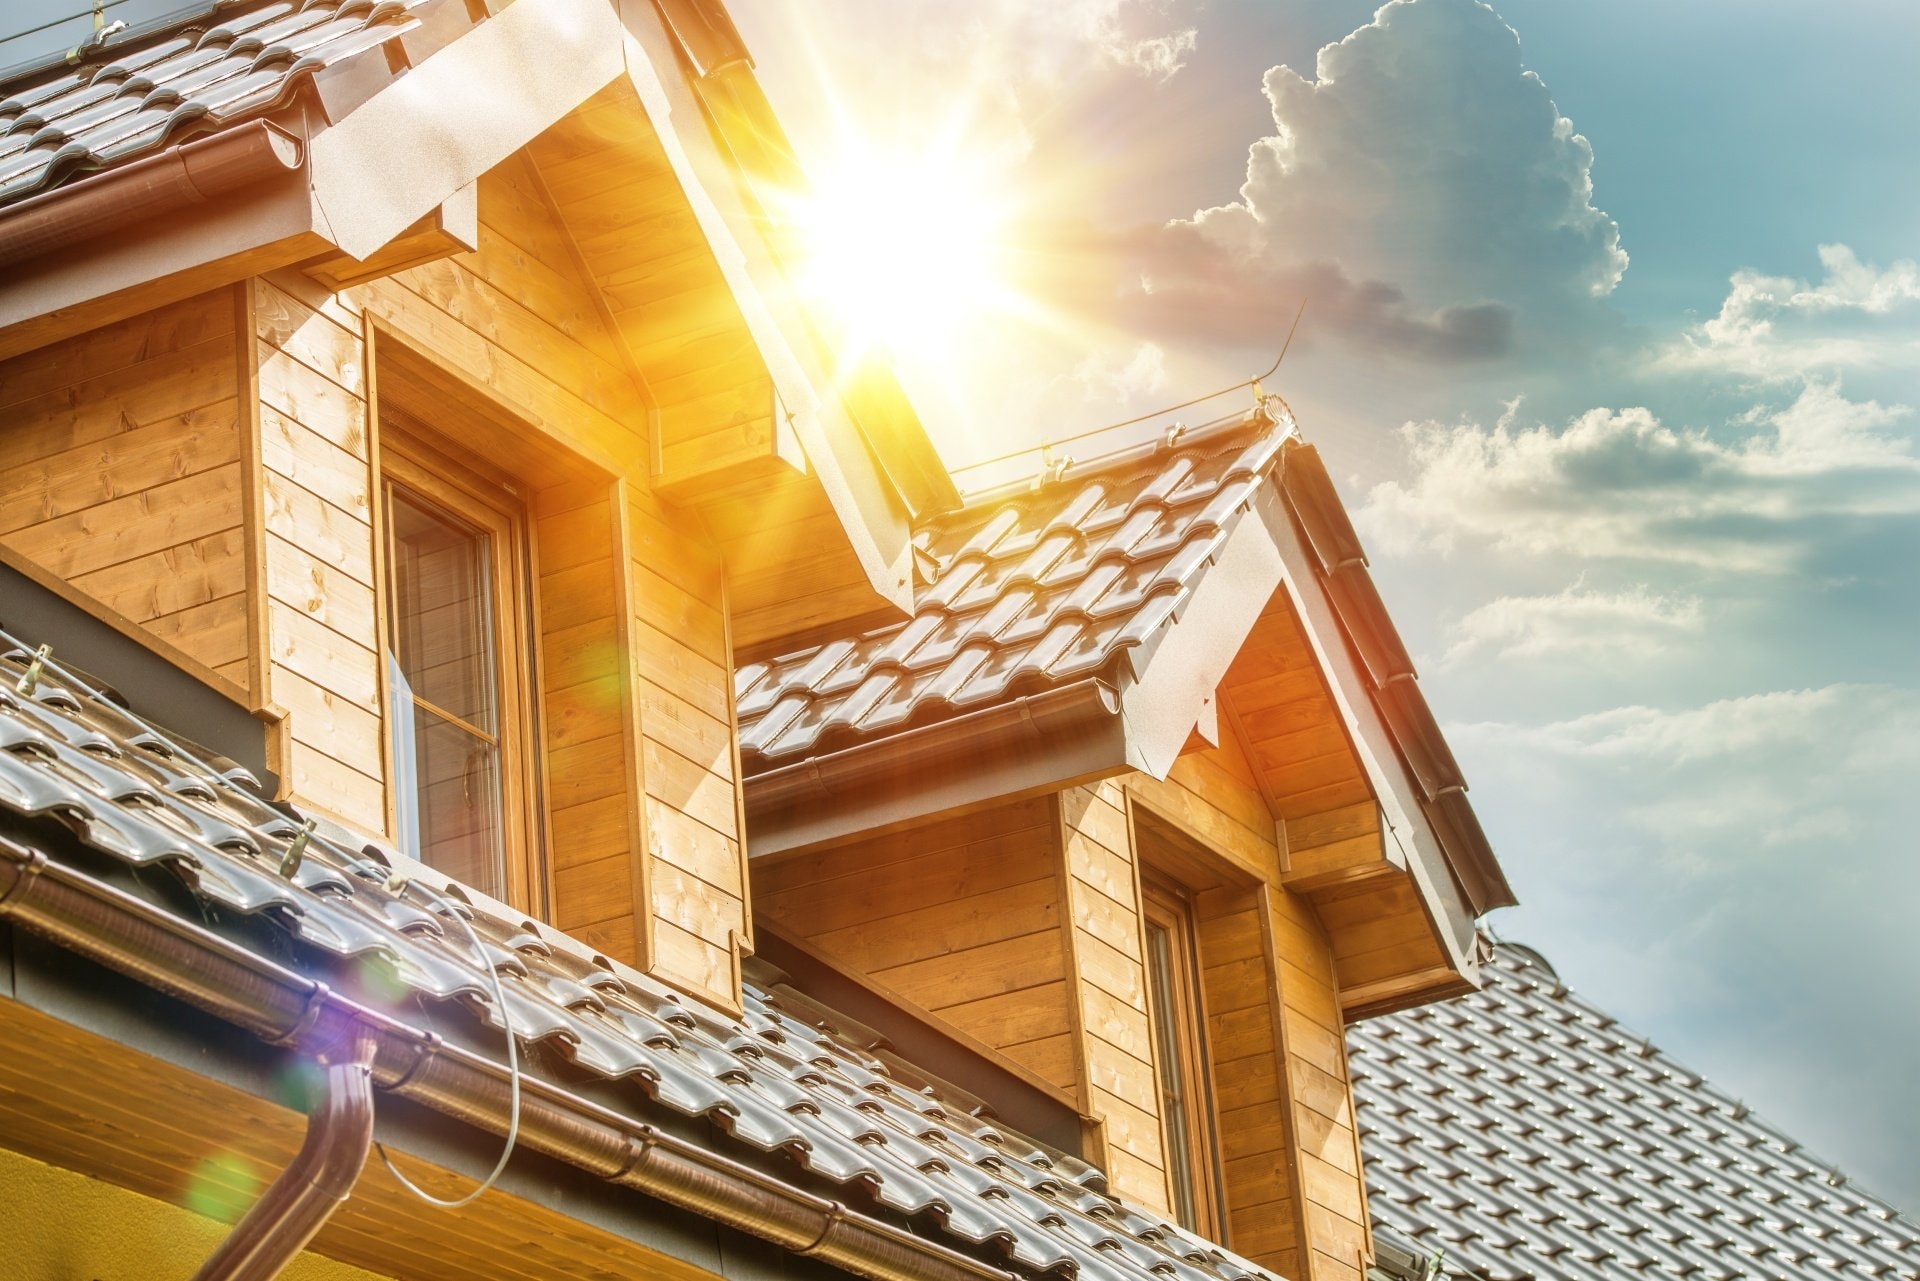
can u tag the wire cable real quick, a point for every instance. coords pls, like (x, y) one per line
(1157, 413)
(91, 11)
(43, 660)
(398, 884)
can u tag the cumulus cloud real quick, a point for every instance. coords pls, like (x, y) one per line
(1621, 484)
(1576, 622)
(1423, 189)
(1777, 327)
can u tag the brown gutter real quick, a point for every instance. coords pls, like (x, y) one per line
(180, 177)
(1041, 742)
(276, 1004)
(317, 1181)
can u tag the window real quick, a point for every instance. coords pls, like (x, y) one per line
(456, 625)
(1179, 1046)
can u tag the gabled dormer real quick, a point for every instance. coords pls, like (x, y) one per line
(1145, 802)
(423, 377)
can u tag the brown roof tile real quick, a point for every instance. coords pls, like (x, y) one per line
(781, 1078)
(132, 99)
(1029, 590)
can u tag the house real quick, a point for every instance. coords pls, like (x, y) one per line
(1521, 1132)
(517, 761)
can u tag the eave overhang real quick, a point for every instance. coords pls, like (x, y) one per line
(375, 154)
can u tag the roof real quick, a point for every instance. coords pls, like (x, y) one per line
(133, 97)
(1026, 591)
(1528, 1135)
(784, 1077)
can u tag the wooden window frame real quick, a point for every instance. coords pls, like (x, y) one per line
(413, 463)
(1167, 905)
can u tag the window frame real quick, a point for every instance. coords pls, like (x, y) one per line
(409, 460)
(1168, 905)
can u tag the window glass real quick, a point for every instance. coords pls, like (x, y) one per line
(445, 672)
(1168, 1041)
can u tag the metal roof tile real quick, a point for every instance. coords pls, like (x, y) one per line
(1030, 590)
(1648, 1170)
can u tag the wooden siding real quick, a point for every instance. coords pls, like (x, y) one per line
(1109, 976)
(120, 464)
(1283, 1107)
(317, 578)
(1331, 1194)
(961, 917)
(683, 678)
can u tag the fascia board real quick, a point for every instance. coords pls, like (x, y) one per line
(876, 521)
(157, 261)
(1177, 682)
(1414, 842)
(434, 130)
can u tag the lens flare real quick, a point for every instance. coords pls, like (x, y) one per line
(901, 252)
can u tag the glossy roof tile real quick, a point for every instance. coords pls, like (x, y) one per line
(1027, 591)
(1528, 1135)
(783, 1077)
(131, 100)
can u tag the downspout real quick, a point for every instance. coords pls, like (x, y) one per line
(180, 177)
(317, 1181)
(172, 955)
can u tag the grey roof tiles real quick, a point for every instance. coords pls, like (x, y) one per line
(1028, 591)
(783, 1077)
(134, 99)
(1526, 1134)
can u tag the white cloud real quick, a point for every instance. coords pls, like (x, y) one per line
(1622, 485)
(1777, 327)
(1430, 180)
(1113, 380)
(1157, 57)
(1637, 622)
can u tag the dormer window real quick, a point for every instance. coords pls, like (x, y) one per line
(1186, 1108)
(455, 662)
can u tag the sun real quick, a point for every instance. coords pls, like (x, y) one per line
(903, 252)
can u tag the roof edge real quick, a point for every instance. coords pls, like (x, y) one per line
(110, 927)
(997, 753)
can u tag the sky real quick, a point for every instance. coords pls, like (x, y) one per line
(1612, 343)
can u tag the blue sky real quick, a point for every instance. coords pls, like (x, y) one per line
(1613, 345)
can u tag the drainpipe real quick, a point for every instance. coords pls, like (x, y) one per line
(318, 1180)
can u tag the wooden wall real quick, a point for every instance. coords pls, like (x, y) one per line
(319, 654)
(960, 917)
(683, 678)
(1104, 940)
(120, 472)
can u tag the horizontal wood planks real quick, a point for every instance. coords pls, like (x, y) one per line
(594, 856)
(1293, 733)
(1326, 1146)
(682, 675)
(120, 472)
(318, 558)
(1110, 985)
(960, 916)
(1250, 1110)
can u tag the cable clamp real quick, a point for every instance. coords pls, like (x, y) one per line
(30, 679)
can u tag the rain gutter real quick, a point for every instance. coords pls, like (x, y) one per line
(182, 176)
(1039, 743)
(114, 928)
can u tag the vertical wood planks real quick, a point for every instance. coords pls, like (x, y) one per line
(120, 472)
